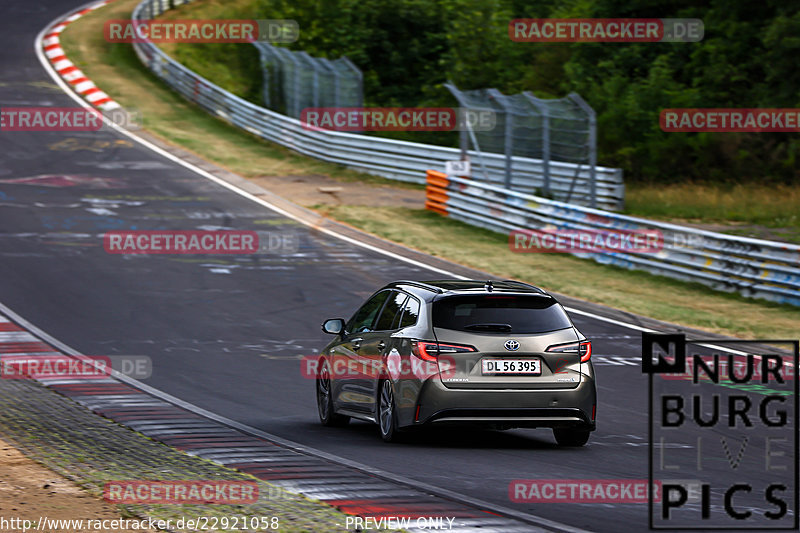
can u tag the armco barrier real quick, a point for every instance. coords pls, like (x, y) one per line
(389, 158)
(752, 267)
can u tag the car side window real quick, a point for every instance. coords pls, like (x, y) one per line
(364, 318)
(394, 304)
(410, 312)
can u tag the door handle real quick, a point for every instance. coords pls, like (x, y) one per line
(356, 343)
(381, 345)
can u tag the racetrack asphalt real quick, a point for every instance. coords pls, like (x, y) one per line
(226, 332)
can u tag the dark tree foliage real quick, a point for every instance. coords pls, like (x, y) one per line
(749, 58)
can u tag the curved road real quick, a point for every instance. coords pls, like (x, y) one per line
(226, 334)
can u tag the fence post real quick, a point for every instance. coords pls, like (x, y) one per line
(508, 141)
(359, 79)
(266, 81)
(545, 139)
(293, 110)
(332, 73)
(312, 64)
(463, 140)
(592, 140)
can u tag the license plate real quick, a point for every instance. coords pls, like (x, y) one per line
(531, 367)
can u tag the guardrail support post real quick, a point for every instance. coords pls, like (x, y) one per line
(545, 140)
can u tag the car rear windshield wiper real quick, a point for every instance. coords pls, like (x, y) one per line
(505, 328)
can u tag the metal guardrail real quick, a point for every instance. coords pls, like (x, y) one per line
(388, 158)
(752, 267)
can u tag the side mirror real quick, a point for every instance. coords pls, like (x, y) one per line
(334, 326)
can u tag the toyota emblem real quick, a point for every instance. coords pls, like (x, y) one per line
(511, 345)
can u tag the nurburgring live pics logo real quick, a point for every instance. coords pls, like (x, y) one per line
(736, 414)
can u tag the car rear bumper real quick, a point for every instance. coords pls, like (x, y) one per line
(507, 407)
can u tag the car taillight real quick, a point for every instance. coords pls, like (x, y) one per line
(582, 348)
(427, 351)
(430, 351)
(585, 349)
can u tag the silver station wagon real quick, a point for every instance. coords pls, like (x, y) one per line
(502, 354)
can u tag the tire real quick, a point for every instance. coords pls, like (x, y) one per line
(327, 416)
(387, 413)
(571, 436)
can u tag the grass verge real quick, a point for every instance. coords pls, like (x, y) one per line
(760, 211)
(115, 68)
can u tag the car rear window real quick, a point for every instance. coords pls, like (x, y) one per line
(495, 314)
